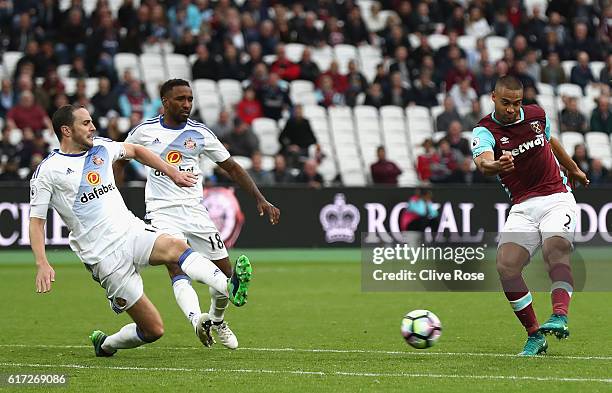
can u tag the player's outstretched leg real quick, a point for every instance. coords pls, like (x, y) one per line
(187, 299)
(169, 250)
(147, 328)
(218, 305)
(556, 251)
(535, 345)
(238, 284)
(97, 339)
(510, 261)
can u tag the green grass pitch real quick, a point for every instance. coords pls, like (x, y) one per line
(307, 327)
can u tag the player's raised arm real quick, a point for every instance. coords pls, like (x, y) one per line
(573, 171)
(239, 175)
(483, 145)
(148, 158)
(45, 274)
(487, 164)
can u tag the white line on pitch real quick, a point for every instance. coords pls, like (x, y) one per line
(317, 373)
(315, 350)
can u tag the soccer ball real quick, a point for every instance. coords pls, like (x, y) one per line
(421, 328)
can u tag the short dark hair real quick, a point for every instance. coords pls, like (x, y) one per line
(509, 82)
(170, 84)
(64, 116)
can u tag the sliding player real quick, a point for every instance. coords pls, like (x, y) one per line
(78, 182)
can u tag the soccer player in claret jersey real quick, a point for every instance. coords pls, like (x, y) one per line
(77, 181)
(514, 143)
(179, 211)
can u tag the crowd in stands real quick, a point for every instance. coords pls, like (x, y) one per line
(247, 41)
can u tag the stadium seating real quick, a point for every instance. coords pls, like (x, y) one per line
(466, 42)
(231, 92)
(436, 41)
(348, 136)
(152, 67)
(598, 146)
(323, 56)
(569, 90)
(567, 67)
(570, 139)
(302, 92)
(267, 132)
(294, 52)
(177, 66)
(9, 61)
(343, 54)
(127, 61)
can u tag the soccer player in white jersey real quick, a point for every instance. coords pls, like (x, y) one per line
(77, 181)
(179, 211)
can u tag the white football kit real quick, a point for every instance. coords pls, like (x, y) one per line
(106, 236)
(172, 209)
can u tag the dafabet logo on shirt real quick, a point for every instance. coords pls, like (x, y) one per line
(93, 178)
(174, 157)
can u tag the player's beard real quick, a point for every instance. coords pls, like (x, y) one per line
(85, 142)
(180, 117)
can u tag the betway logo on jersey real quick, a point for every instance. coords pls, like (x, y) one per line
(523, 147)
(97, 192)
(180, 168)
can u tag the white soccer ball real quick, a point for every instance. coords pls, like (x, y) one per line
(421, 328)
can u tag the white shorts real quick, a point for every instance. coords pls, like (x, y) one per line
(539, 218)
(192, 224)
(119, 272)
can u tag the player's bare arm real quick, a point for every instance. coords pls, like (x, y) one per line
(119, 171)
(148, 158)
(487, 164)
(45, 274)
(574, 173)
(239, 175)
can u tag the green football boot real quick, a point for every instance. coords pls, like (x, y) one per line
(557, 325)
(536, 344)
(238, 284)
(97, 339)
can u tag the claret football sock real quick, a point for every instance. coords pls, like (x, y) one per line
(520, 299)
(203, 270)
(562, 287)
(186, 298)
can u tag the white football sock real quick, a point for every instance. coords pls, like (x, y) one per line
(125, 338)
(203, 270)
(186, 298)
(218, 304)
